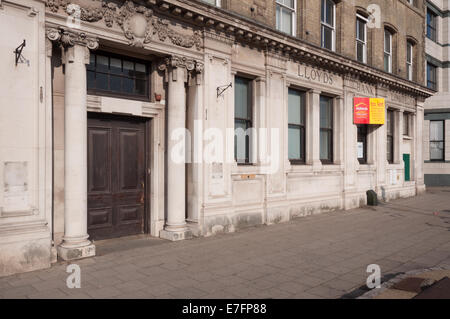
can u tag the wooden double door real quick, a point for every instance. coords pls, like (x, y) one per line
(117, 168)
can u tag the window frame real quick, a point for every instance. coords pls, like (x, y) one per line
(301, 127)
(248, 122)
(293, 11)
(363, 160)
(438, 141)
(387, 53)
(433, 26)
(357, 40)
(112, 93)
(434, 83)
(324, 24)
(409, 64)
(390, 134)
(406, 124)
(329, 130)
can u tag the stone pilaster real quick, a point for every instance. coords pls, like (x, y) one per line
(314, 129)
(75, 48)
(420, 185)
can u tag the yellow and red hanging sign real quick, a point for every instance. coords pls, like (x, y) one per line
(369, 110)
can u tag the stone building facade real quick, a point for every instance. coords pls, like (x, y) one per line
(119, 117)
(437, 108)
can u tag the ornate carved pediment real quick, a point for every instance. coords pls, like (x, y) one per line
(137, 22)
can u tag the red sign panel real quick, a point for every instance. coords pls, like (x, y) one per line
(361, 110)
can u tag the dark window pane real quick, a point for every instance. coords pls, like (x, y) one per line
(360, 51)
(115, 66)
(101, 81)
(91, 65)
(128, 85)
(141, 87)
(128, 68)
(115, 83)
(327, 38)
(360, 30)
(102, 63)
(362, 144)
(431, 76)
(90, 79)
(326, 128)
(140, 71)
(112, 74)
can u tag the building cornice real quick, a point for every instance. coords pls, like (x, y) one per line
(257, 35)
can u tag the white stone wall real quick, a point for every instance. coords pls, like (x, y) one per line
(25, 140)
(249, 195)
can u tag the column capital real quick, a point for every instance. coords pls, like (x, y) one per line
(68, 38)
(191, 67)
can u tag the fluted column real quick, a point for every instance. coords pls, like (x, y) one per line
(178, 71)
(75, 48)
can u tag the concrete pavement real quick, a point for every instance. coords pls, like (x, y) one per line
(321, 256)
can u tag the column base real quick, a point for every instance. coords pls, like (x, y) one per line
(175, 235)
(420, 189)
(73, 253)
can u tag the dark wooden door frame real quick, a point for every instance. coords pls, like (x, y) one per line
(147, 123)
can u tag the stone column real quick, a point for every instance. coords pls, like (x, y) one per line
(75, 47)
(194, 124)
(418, 138)
(178, 70)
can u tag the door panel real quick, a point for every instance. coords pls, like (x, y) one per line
(99, 162)
(406, 159)
(116, 176)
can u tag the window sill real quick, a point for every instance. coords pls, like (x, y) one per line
(407, 137)
(250, 168)
(367, 167)
(395, 166)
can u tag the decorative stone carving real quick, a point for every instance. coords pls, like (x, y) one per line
(162, 28)
(192, 67)
(137, 22)
(54, 5)
(69, 38)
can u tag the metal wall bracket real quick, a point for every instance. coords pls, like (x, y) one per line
(223, 88)
(19, 57)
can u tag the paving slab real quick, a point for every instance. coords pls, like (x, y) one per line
(319, 256)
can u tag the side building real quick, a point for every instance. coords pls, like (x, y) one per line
(437, 108)
(125, 117)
